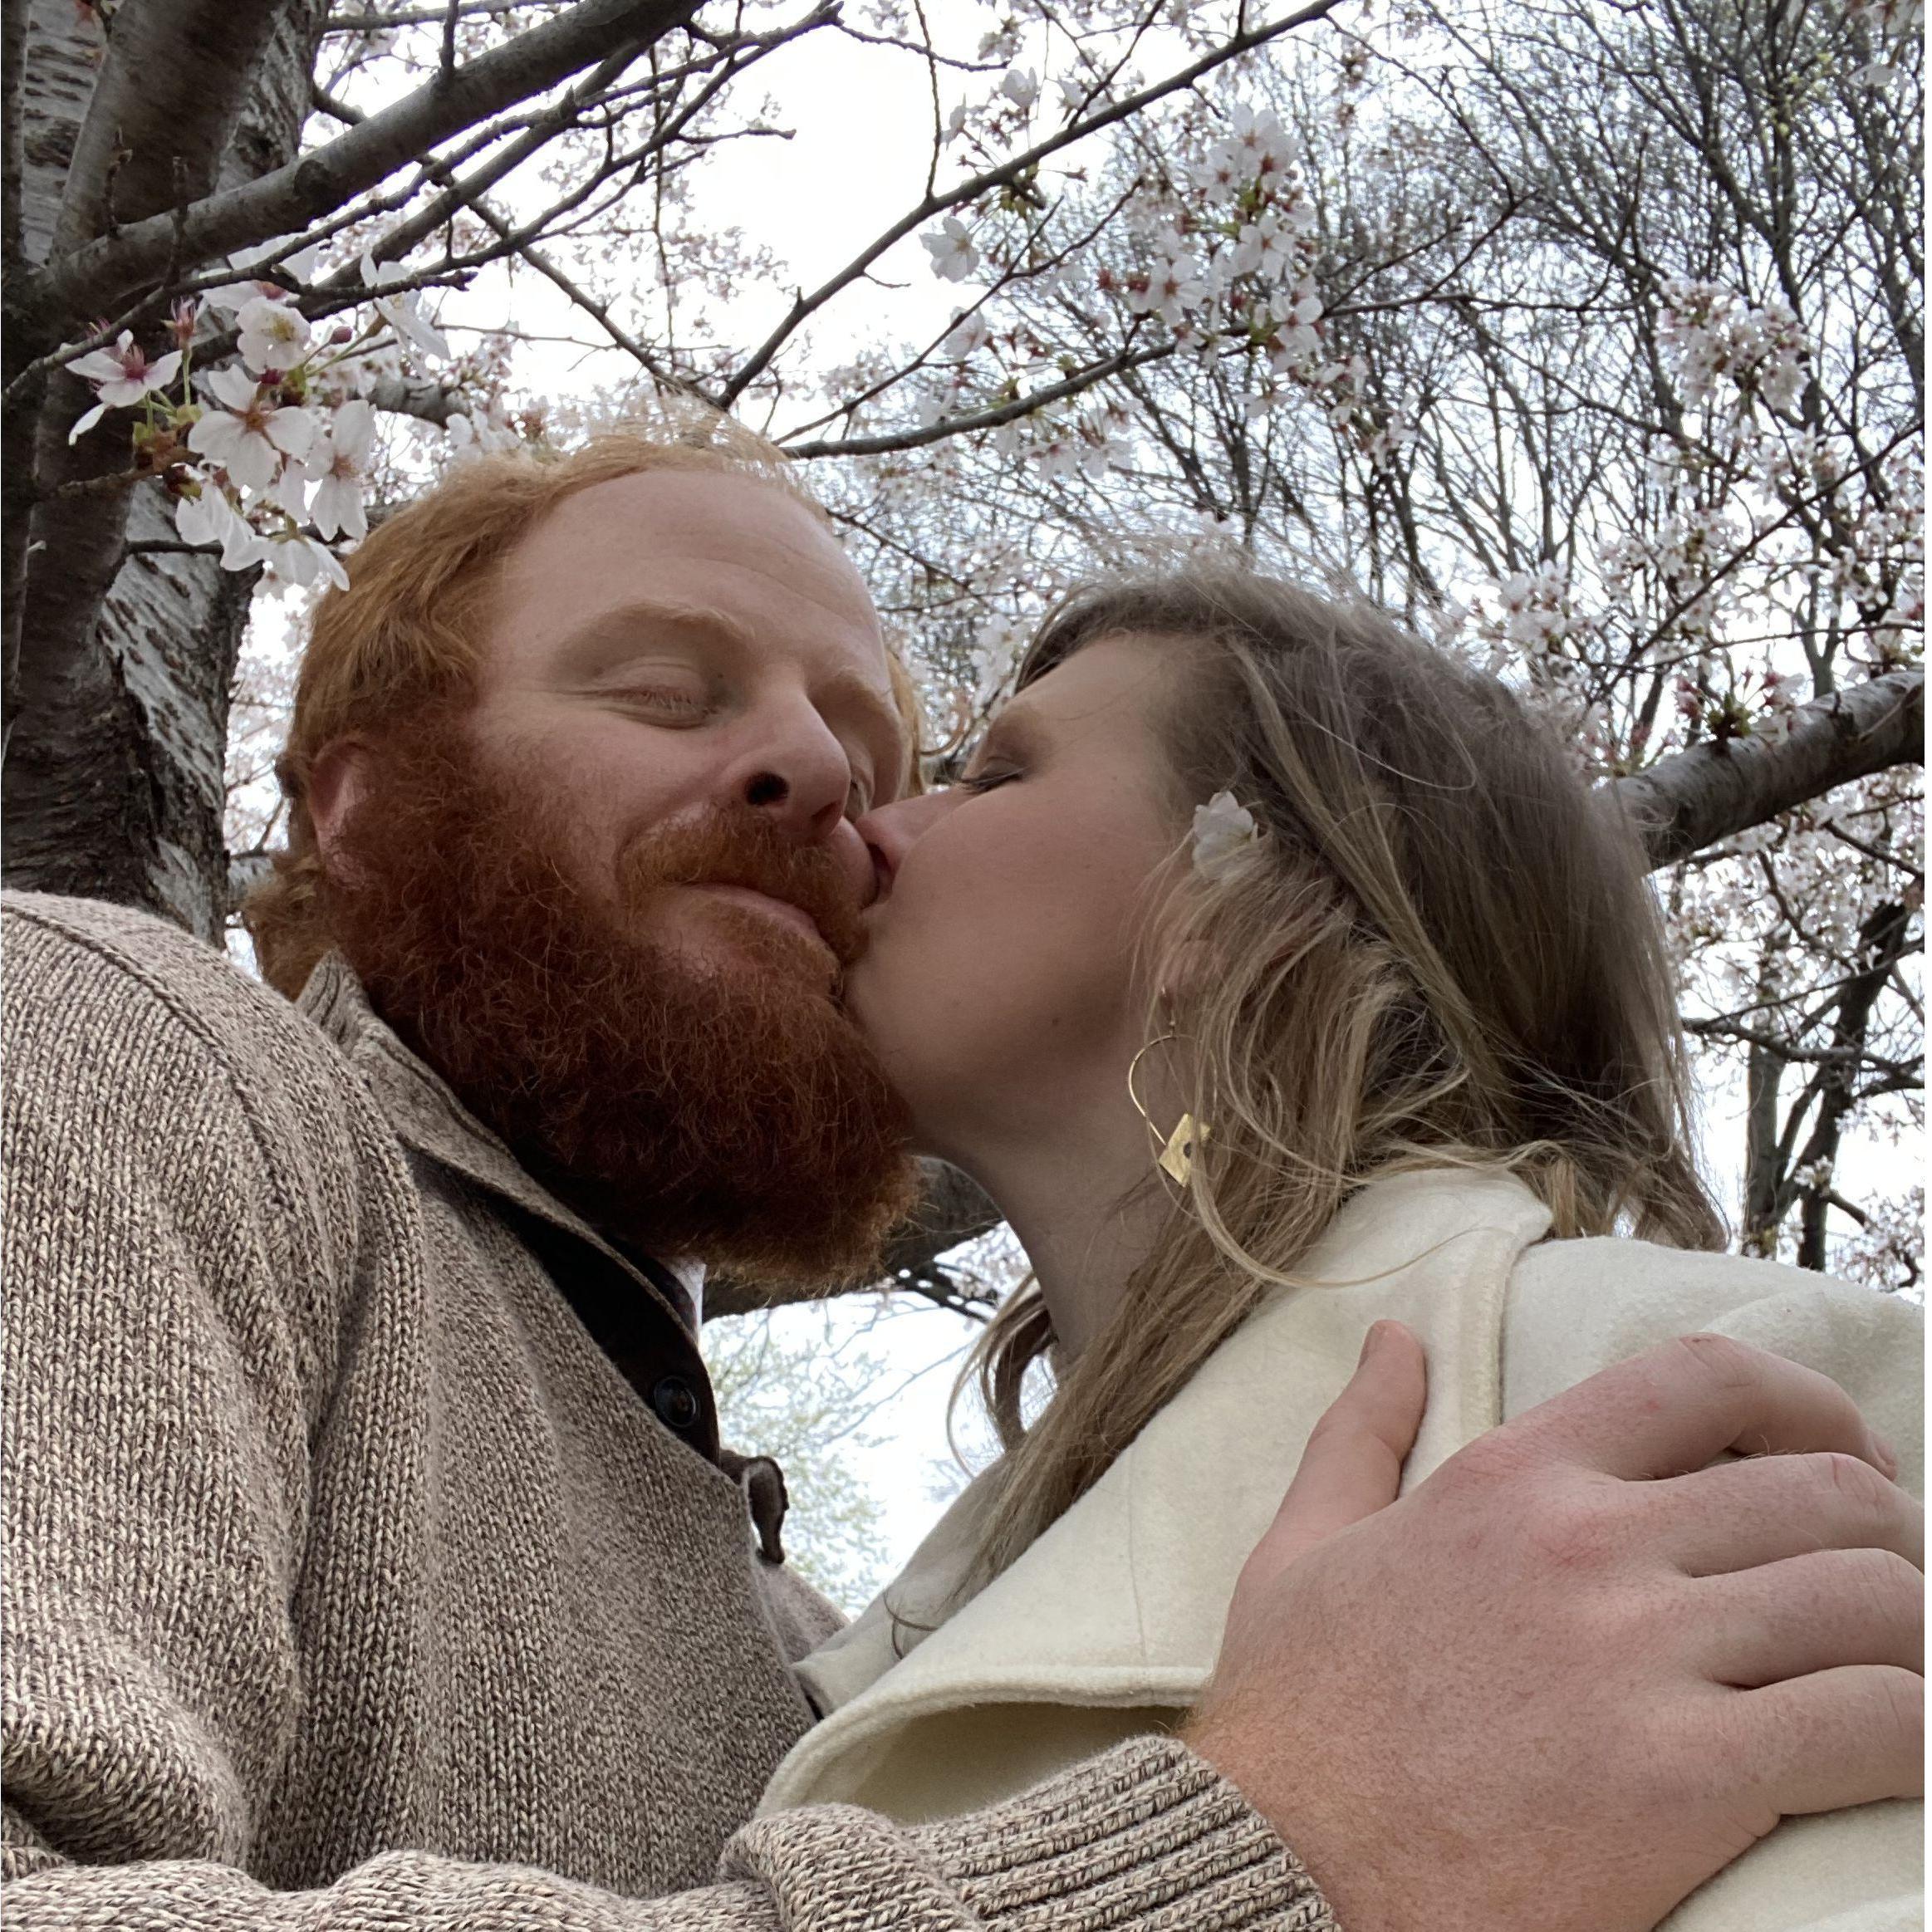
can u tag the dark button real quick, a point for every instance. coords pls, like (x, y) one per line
(676, 1402)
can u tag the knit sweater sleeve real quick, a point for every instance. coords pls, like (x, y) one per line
(1147, 1836)
(174, 1237)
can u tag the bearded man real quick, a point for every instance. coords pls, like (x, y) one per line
(373, 1559)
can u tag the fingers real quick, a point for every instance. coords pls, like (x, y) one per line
(1352, 1466)
(1835, 1738)
(1739, 1515)
(1674, 1408)
(1813, 1613)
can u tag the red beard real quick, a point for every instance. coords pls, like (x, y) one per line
(724, 1108)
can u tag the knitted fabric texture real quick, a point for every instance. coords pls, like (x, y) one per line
(350, 1583)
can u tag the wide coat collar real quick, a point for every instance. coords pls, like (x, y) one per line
(1121, 1603)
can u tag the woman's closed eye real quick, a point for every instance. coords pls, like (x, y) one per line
(986, 781)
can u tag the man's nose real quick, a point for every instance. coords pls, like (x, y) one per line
(800, 778)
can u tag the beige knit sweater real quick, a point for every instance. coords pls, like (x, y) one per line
(368, 1559)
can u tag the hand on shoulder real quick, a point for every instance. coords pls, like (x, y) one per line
(1564, 1682)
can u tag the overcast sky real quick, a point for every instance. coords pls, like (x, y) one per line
(860, 120)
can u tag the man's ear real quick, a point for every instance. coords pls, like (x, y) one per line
(338, 781)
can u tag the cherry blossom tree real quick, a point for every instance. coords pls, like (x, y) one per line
(1587, 339)
(1591, 340)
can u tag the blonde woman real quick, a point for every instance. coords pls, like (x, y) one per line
(1276, 976)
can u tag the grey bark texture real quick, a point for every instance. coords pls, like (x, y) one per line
(118, 696)
(1712, 792)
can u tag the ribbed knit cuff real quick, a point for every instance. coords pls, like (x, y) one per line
(1146, 1838)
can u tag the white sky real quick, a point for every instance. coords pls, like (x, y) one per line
(860, 119)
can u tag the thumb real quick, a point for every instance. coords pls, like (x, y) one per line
(1352, 1466)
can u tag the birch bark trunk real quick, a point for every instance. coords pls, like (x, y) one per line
(118, 697)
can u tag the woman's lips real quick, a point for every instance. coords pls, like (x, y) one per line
(779, 908)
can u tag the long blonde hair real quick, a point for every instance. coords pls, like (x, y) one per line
(1440, 951)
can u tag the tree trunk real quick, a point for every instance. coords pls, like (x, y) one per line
(119, 698)
(1763, 1162)
(1883, 939)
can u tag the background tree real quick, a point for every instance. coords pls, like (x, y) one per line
(1590, 340)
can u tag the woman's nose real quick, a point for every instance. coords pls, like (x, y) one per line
(892, 830)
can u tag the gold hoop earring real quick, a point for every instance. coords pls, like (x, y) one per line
(1176, 1157)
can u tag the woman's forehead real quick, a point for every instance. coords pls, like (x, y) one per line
(1121, 665)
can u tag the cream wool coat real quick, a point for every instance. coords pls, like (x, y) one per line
(1108, 1626)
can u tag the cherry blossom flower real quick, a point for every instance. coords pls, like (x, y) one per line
(403, 311)
(289, 492)
(1173, 286)
(299, 561)
(1263, 247)
(1220, 176)
(1225, 833)
(121, 375)
(337, 464)
(233, 296)
(1259, 139)
(966, 338)
(273, 335)
(1021, 87)
(954, 258)
(248, 436)
(208, 517)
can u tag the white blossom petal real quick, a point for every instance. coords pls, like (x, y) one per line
(204, 518)
(104, 364)
(1223, 833)
(242, 546)
(234, 388)
(337, 510)
(403, 314)
(329, 565)
(290, 430)
(353, 432)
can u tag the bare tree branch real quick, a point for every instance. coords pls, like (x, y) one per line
(806, 306)
(100, 274)
(891, 441)
(951, 1210)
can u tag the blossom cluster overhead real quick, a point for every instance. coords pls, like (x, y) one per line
(260, 426)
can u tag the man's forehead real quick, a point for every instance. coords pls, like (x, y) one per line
(718, 555)
(667, 517)
(730, 543)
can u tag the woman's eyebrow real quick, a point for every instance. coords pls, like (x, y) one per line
(1012, 730)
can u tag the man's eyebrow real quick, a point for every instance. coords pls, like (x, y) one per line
(618, 624)
(844, 689)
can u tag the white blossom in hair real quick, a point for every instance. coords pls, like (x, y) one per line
(1223, 833)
